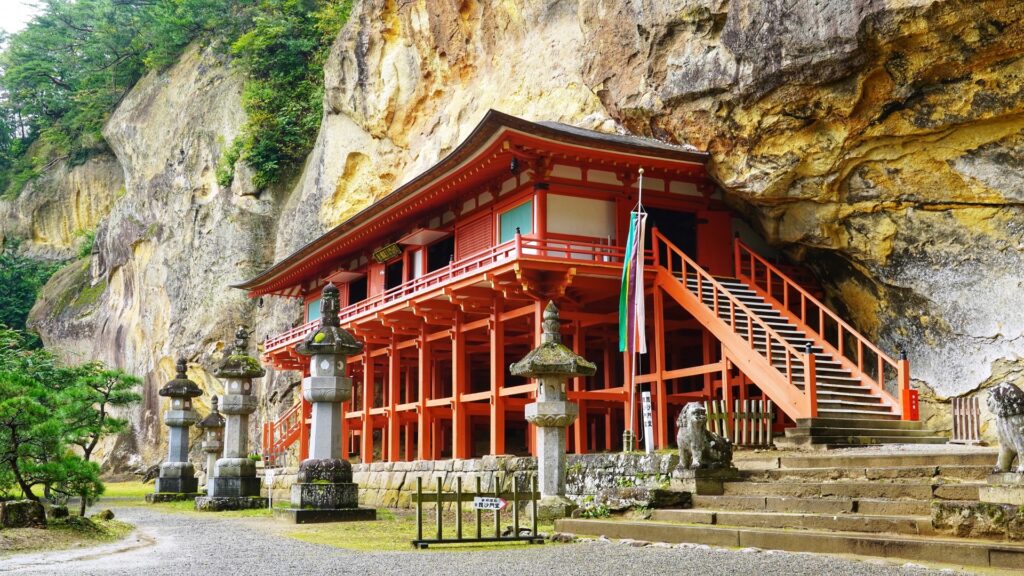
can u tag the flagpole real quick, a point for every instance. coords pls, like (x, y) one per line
(636, 322)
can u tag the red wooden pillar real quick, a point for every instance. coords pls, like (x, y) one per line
(497, 378)
(579, 346)
(394, 381)
(540, 210)
(460, 441)
(706, 343)
(608, 352)
(307, 414)
(627, 408)
(727, 393)
(423, 427)
(366, 450)
(662, 419)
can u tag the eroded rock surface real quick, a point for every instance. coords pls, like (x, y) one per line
(878, 142)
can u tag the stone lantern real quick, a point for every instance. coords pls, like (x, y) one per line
(324, 491)
(235, 485)
(213, 441)
(552, 364)
(177, 479)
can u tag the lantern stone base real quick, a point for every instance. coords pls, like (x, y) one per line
(325, 493)
(702, 481)
(172, 496)
(554, 507)
(321, 515)
(177, 485)
(232, 487)
(222, 503)
(1003, 488)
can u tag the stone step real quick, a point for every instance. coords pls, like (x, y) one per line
(873, 506)
(854, 404)
(920, 548)
(850, 414)
(885, 490)
(850, 522)
(834, 442)
(857, 423)
(885, 473)
(798, 432)
(932, 457)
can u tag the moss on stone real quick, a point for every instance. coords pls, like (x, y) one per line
(90, 295)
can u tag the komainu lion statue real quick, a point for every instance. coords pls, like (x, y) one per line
(699, 447)
(1006, 402)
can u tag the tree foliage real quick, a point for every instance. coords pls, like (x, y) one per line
(64, 73)
(46, 409)
(22, 278)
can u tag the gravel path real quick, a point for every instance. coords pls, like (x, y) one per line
(174, 544)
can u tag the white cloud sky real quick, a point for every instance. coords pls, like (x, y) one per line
(15, 14)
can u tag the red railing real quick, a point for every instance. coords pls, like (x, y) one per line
(517, 248)
(282, 433)
(889, 377)
(782, 356)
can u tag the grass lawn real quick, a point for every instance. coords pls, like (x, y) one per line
(134, 489)
(61, 534)
(395, 530)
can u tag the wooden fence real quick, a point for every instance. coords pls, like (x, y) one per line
(966, 421)
(750, 423)
(478, 497)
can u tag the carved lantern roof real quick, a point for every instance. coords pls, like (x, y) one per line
(238, 363)
(214, 419)
(330, 338)
(181, 386)
(552, 358)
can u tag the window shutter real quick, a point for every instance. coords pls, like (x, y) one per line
(473, 236)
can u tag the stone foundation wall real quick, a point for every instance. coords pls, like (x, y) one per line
(615, 478)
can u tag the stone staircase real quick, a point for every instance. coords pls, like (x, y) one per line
(878, 504)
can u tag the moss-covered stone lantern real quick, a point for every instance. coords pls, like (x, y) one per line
(213, 437)
(552, 364)
(177, 479)
(235, 485)
(324, 491)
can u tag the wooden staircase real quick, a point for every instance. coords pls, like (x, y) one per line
(838, 387)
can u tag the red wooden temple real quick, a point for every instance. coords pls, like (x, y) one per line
(445, 279)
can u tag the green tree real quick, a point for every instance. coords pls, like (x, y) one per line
(45, 409)
(88, 403)
(22, 279)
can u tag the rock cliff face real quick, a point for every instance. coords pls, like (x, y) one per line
(879, 142)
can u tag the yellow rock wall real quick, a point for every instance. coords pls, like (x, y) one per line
(879, 142)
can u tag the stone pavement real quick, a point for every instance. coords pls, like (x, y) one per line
(174, 544)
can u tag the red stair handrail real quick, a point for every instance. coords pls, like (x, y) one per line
(718, 293)
(281, 433)
(744, 253)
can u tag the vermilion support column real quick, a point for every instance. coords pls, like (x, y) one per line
(366, 451)
(394, 381)
(497, 378)
(307, 413)
(580, 427)
(460, 441)
(423, 428)
(662, 419)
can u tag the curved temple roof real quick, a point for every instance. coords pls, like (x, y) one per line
(305, 260)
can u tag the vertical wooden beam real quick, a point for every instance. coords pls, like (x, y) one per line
(540, 211)
(394, 382)
(307, 414)
(366, 451)
(460, 441)
(727, 394)
(707, 341)
(497, 328)
(579, 346)
(662, 419)
(425, 367)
